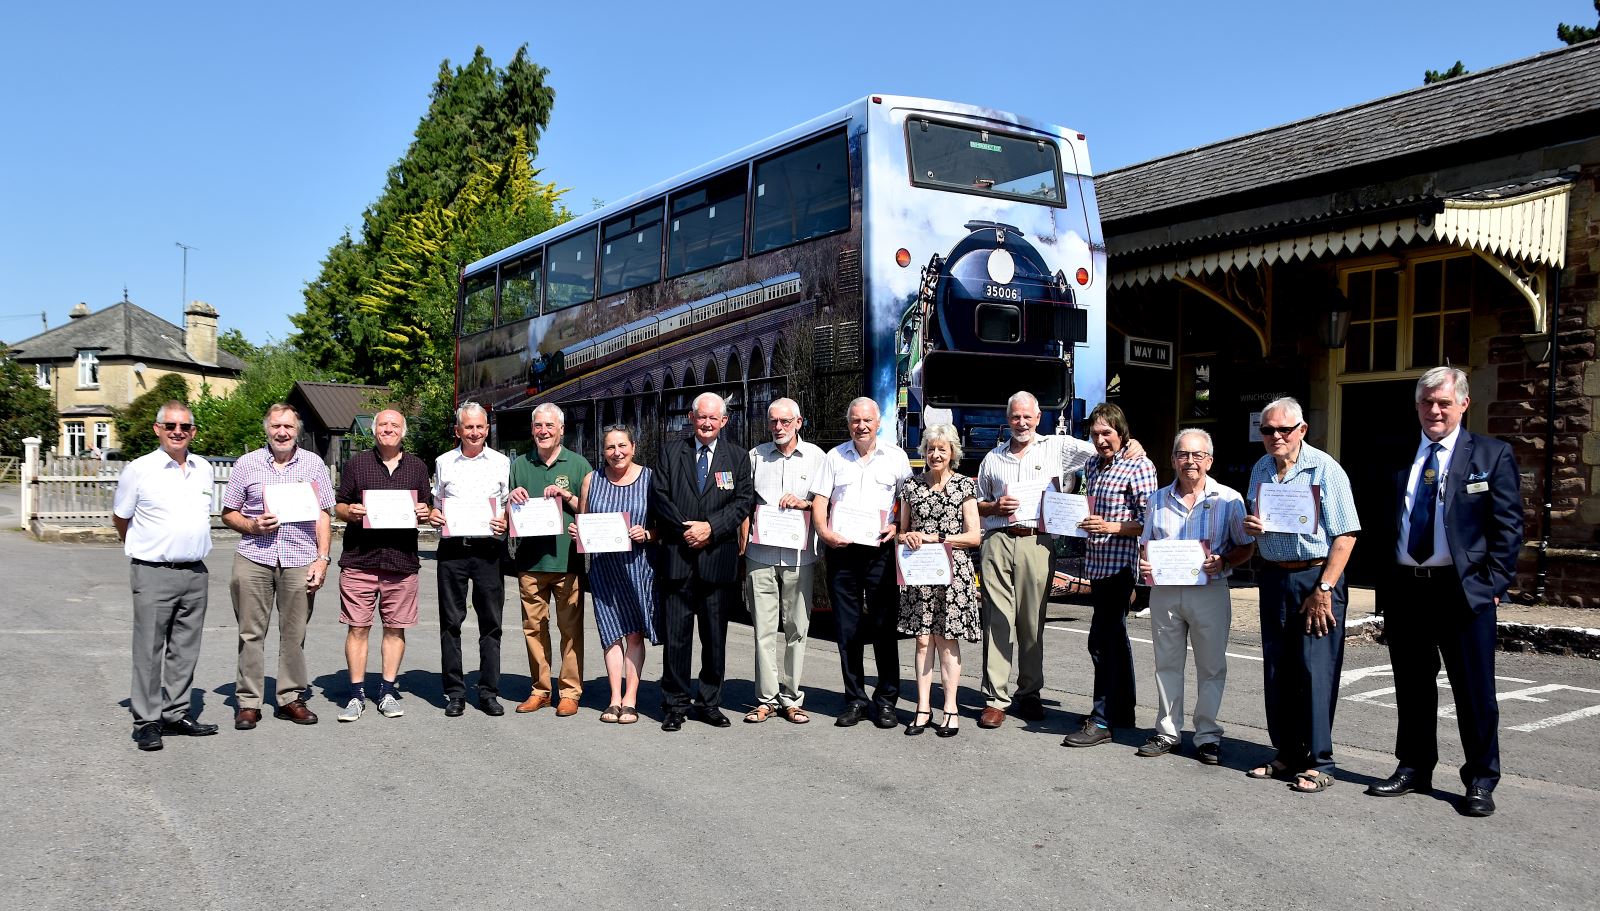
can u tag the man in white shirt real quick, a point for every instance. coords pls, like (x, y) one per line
(162, 512)
(778, 577)
(853, 500)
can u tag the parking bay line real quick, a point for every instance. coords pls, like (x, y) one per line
(1084, 632)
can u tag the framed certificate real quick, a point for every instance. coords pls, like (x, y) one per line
(603, 533)
(1291, 508)
(536, 517)
(468, 517)
(777, 527)
(930, 564)
(389, 508)
(1174, 561)
(856, 524)
(1060, 513)
(292, 502)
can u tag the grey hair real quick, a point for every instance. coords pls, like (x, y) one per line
(161, 413)
(862, 400)
(1177, 441)
(946, 432)
(722, 404)
(399, 413)
(468, 408)
(1439, 377)
(550, 408)
(279, 408)
(1021, 396)
(790, 404)
(1290, 408)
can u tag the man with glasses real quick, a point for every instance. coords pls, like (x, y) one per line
(162, 512)
(1194, 507)
(778, 578)
(1303, 599)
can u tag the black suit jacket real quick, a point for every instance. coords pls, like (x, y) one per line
(1482, 516)
(675, 498)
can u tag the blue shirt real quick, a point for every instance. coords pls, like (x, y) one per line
(1217, 519)
(1338, 507)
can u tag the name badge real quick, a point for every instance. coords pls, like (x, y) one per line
(1479, 487)
(724, 480)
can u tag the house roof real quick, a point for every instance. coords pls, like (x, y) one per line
(123, 329)
(1474, 114)
(336, 405)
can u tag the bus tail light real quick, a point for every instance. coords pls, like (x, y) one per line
(902, 257)
(1083, 276)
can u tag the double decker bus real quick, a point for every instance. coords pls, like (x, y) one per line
(934, 256)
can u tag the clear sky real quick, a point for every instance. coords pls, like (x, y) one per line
(257, 133)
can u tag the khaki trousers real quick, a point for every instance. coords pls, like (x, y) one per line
(539, 591)
(779, 596)
(1016, 582)
(256, 589)
(1179, 615)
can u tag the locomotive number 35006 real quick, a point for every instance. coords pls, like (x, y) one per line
(1004, 294)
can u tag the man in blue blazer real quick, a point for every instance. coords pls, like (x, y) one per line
(1458, 528)
(699, 495)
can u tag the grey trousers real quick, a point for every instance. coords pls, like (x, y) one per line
(169, 613)
(256, 589)
(779, 596)
(1016, 583)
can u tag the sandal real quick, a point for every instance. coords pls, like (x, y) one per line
(611, 714)
(760, 713)
(1318, 781)
(796, 714)
(627, 714)
(1275, 770)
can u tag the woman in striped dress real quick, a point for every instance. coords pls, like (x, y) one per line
(623, 585)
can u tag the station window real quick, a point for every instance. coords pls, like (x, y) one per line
(973, 160)
(1441, 313)
(1373, 343)
(707, 224)
(631, 253)
(801, 194)
(521, 284)
(569, 277)
(1412, 316)
(478, 309)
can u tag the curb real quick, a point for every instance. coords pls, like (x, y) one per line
(1511, 636)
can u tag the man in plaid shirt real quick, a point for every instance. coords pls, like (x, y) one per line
(1121, 485)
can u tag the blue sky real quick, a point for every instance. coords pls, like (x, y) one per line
(257, 133)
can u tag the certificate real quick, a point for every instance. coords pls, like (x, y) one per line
(389, 508)
(929, 564)
(1063, 511)
(856, 524)
(603, 533)
(536, 517)
(292, 502)
(468, 517)
(786, 528)
(1291, 508)
(1029, 495)
(1174, 561)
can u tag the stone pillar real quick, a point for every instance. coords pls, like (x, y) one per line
(30, 470)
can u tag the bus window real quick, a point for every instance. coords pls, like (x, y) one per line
(478, 314)
(972, 160)
(707, 224)
(801, 194)
(520, 284)
(570, 278)
(631, 254)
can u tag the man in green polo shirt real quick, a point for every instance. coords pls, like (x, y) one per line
(549, 569)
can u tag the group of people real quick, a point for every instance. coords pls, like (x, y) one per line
(710, 509)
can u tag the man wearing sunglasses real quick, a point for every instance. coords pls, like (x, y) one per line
(162, 512)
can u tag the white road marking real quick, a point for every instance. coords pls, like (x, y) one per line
(1084, 632)
(1554, 720)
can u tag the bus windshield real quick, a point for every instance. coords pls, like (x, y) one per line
(971, 160)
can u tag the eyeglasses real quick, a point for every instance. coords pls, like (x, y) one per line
(171, 426)
(1278, 431)
(1185, 456)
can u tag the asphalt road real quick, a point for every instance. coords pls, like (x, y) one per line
(538, 811)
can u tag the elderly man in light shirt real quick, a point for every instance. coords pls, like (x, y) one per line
(778, 577)
(1194, 507)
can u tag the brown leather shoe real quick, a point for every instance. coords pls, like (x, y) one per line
(991, 717)
(246, 719)
(297, 712)
(567, 707)
(535, 702)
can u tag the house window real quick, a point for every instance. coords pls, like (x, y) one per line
(1412, 316)
(41, 375)
(88, 370)
(73, 438)
(102, 435)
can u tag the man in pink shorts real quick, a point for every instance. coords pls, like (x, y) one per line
(378, 569)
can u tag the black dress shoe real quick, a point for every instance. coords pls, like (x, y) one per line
(673, 722)
(148, 736)
(454, 707)
(1479, 802)
(884, 716)
(491, 706)
(853, 714)
(1028, 709)
(1403, 781)
(187, 727)
(711, 716)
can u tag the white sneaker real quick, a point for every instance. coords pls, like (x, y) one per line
(389, 706)
(1144, 614)
(353, 709)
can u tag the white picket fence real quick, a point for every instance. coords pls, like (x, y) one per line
(68, 490)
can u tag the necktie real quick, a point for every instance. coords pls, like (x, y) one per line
(702, 467)
(1423, 497)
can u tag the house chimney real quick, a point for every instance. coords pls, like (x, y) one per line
(200, 332)
(80, 311)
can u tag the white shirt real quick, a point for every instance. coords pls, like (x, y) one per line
(776, 474)
(1441, 549)
(1049, 456)
(485, 475)
(867, 482)
(168, 507)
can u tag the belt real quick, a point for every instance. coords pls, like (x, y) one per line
(1427, 572)
(181, 564)
(1296, 565)
(476, 541)
(1021, 531)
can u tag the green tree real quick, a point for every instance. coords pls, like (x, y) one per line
(134, 433)
(234, 342)
(1573, 34)
(1429, 77)
(25, 409)
(231, 424)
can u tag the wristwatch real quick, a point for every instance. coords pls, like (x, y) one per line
(324, 558)
(1324, 587)
(941, 537)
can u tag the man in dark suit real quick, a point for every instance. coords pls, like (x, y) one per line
(1458, 527)
(699, 495)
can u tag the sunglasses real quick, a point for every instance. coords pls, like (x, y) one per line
(1278, 431)
(172, 425)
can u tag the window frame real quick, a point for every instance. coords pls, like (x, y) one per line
(839, 133)
(68, 436)
(1406, 311)
(41, 374)
(91, 364)
(659, 204)
(594, 278)
(745, 213)
(1060, 202)
(535, 257)
(493, 274)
